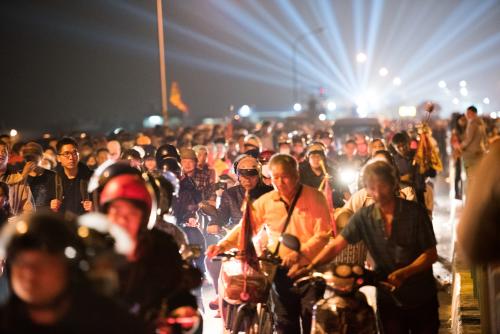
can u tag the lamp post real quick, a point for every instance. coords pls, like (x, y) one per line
(161, 49)
(295, 43)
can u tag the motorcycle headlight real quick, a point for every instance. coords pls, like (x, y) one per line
(348, 176)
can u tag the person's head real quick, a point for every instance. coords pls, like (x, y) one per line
(284, 174)
(101, 156)
(133, 157)
(376, 144)
(4, 155)
(462, 121)
(32, 152)
(43, 255)
(298, 144)
(128, 203)
(67, 153)
(471, 112)
(381, 181)
(361, 145)
(114, 150)
(401, 143)
(252, 145)
(247, 170)
(201, 154)
(220, 148)
(189, 161)
(350, 148)
(316, 155)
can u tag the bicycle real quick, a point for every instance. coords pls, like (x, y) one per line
(246, 293)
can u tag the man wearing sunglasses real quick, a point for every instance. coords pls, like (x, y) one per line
(229, 213)
(71, 180)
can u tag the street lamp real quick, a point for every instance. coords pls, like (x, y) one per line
(295, 43)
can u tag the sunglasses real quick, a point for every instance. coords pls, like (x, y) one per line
(248, 172)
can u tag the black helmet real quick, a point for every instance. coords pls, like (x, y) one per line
(149, 152)
(169, 164)
(48, 232)
(131, 154)
(164, 191)
(167, 150)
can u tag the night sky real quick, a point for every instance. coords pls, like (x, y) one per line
(94, 64)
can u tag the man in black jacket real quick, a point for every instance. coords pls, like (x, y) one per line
(71, 180)
(312, 173)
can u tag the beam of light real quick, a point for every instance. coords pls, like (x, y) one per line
(338, 49)
(358, 18)
(464, 16)
(473, 68)
(217, 66)
(462, 62)
(313, 40)
(234, 71)
(373, 28)
(254, 27)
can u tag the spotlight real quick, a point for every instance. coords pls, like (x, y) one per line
(331, 106)
(493, 115)
(486, 100)
(383, 72)
(297, 107)
(407, 111)
(245, 111)
(442, 84)
(463, 91)
(152, 121)
(396, 81)
(455, 101)
(463, 83)
(322, 117)
(13, 132)
(361, 57)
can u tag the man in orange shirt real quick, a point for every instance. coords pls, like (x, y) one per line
(309, 221)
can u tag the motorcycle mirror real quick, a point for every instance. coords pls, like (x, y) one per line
(290, 241)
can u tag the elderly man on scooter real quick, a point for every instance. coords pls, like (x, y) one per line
(299, 210)
(400, 238)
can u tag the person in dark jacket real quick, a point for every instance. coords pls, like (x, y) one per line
(40, 180)
(152, 281)
(71, 180)
(312, 173)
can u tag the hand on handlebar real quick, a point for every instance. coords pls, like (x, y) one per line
(290, 259)
(213, 250)
(297, 271)
(396, 278)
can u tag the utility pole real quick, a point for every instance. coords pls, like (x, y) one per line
(163, 74)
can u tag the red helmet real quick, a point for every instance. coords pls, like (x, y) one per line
(129, 187)
(265, 156)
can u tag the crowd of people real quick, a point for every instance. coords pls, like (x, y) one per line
(159, 192)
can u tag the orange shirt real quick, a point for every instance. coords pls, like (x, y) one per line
(310, 222)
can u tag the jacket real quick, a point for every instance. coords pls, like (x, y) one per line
(229, 211)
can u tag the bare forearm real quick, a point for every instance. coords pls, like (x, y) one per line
(331, 250)
(421, 263)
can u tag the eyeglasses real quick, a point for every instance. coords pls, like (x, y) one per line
(67, 155)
